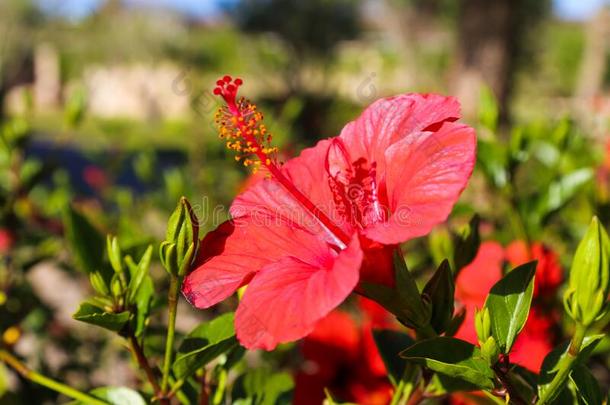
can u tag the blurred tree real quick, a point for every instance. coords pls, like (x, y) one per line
(495, 39)
(309, 29)
(595, 60)
(18, 21)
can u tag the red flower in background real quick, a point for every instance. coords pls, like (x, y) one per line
(475, 280)
(549, 274)
(95, 177)
(7, 240)
(303, 238)
(340, 355)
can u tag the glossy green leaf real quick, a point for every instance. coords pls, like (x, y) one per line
(452, 357)
(204, 344)
(438, 294)
(97, 316)
(389, 344)
(587, 386)
(86, 243)
(441, 384)
(509, 303)
(118, 396)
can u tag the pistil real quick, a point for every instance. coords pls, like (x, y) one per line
(240, 123)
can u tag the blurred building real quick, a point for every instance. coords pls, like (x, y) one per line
(132, 91)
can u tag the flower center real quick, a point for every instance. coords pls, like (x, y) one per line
(354, 187)
(241, 125)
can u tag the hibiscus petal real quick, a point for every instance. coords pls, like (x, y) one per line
(308, 174)
(389, 120)
(286, 299)
(237, 249)
(428, 172)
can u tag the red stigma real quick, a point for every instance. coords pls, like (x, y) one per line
(227, 88)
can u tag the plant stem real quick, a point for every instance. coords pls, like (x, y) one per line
(204, 395)
(143, 362)
(417, 397)
(513, 393)
(172, 299)
(175, 388)
(405, 387)
(564, 367)
(56, 386)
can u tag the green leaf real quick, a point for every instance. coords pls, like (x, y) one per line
(452, 357)
(456, 322)
(143, 301)
(263, 387)
(492, 158)
(118, 396)
(509, 303)
(138, 273)
(97, 316)
(441, 385)
(390, 343)
(467, 244)
(587, 386)
(204, 344)
(563, 190)
(404, 300)
(86, 243)
(438, 293)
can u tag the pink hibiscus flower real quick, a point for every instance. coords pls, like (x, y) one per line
(303, 238)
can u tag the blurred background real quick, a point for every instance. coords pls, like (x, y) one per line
(106, 106)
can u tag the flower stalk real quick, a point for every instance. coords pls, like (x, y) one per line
(143, 363)
(40, 379)
(172, 299)
(177, 253)
(564, 368)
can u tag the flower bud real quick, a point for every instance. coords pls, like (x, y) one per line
(586, 297)
(490, 350)
(114, 254)
(482, 324)
(178, 249)
(116, 287)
